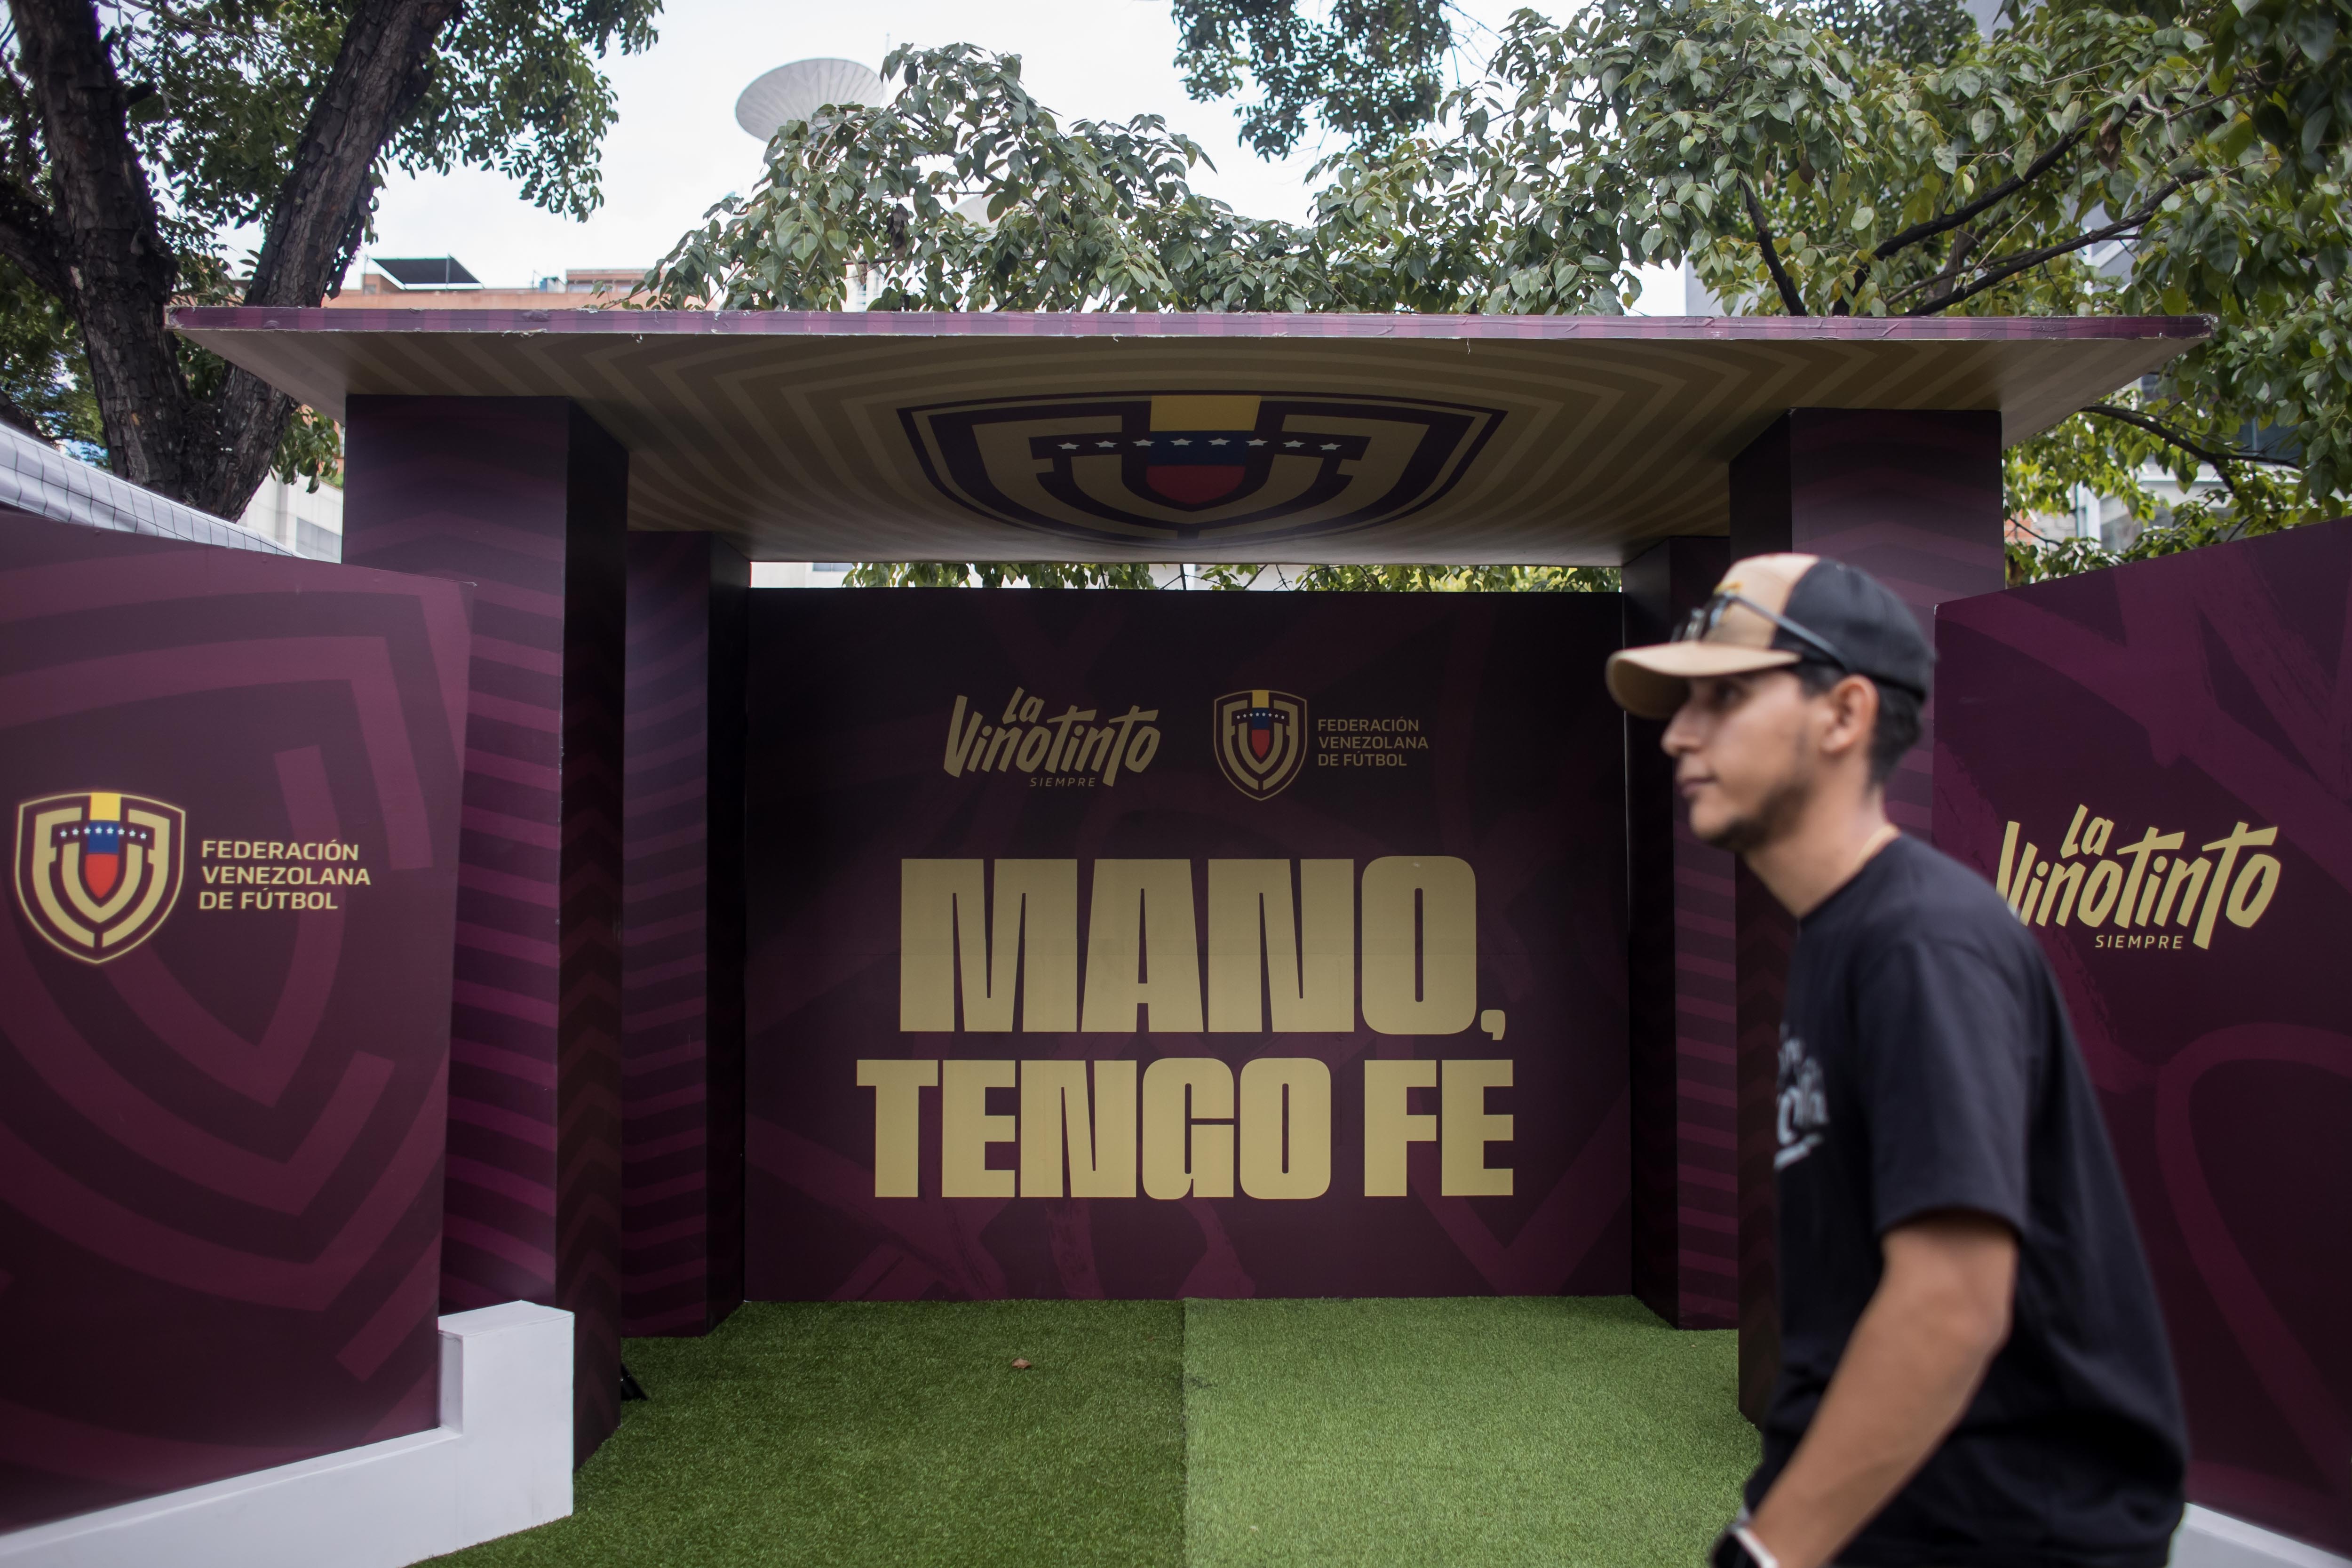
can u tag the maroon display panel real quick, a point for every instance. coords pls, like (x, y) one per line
(1684, 968)
(526, 499)
(682, 935)
(1192, 811)
(2153, 762)
(1913, 498)
(232, 783)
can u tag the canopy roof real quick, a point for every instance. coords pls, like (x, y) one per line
(1569, 439)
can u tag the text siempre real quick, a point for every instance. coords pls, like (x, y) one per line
(984, 946)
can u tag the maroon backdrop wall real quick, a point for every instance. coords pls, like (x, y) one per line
(2201, 698)
(1436, 729)
(221, 1141)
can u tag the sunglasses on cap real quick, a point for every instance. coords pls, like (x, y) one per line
(1703, 621)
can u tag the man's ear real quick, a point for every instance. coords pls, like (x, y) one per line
(1853, 706)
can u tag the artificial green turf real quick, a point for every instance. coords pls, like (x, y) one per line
(898, 1434)
(1527, 1430)
(1203, 1432)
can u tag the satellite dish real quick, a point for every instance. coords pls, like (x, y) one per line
(798, 91)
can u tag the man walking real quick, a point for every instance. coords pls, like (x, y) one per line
(1973, 1368)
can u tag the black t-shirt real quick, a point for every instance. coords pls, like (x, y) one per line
(1927, 1064)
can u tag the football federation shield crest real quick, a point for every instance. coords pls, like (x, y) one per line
(1261, 741)
(96, 873)
(1153, 468)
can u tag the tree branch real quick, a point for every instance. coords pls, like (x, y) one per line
(1789, 295)
(2172, 434)
(2007, 267)
(2000, 193)
(379, 74)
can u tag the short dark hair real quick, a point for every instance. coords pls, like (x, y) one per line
(1897, 730)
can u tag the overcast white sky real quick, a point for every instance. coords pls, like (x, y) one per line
(675, 148)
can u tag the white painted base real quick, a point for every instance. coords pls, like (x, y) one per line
(501, 1462)
(2210, 1540)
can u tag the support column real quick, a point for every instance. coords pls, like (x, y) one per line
(1685, 1172)
(526, 498)
(1914, 499)
(682, 935)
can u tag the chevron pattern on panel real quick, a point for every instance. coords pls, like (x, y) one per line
(1914, 499)
(681, 1192)
(1768, 934)
(1707, 1144)
(1686, 1182)
(221, 1154)
(588, 1077)
(518, 497)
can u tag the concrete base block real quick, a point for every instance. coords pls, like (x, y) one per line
(501, 1462)
(2210, 1539)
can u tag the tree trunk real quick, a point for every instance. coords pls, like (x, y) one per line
(118, 272)
(380, 73)
(103, 242)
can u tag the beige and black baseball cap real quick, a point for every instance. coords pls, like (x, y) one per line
(1773, 611)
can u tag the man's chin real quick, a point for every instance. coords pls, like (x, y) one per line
(1722, 832)
(1744, 833)
(1739, 835)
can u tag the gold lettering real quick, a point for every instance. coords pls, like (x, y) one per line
(1188, 1137)
(1469, 1128)
(2070, 876)
(2147, 892)
(1389, 1126)
(961, 737)
(2099, 892)
(897, 1089)
(2072, 828)
(1420, 945)
(1101, 1142)
(966, 1129)
(1142, 949)
(1308, 968)
(2190, 878)
(2140, 849)
(1127, 744)
(1034, 939)
(2018, 884)
(1270, 1086)
(2252, 893)
(1055, 762)
(1092, 753)
(2241, 837)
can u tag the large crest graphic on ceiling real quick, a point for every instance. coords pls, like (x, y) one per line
(1143, 468)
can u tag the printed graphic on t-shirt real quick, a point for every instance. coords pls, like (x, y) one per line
(1804, 1108)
